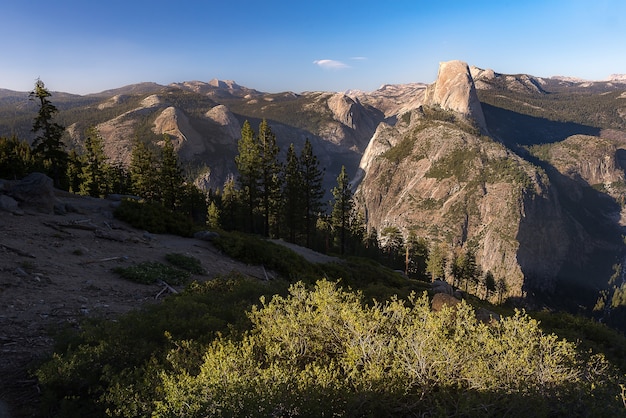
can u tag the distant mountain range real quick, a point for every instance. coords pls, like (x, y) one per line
(528, 171)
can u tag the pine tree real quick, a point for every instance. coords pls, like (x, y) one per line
(95, 174)
(143, 171)
(436, 262)
(343, 206)
(358, 230)
(416, 255)
(501, 288)
(270, 176)
(74, 172)
(249, 166)
(468, 271)
(230, 206)
(171, 181)
(312, 177)
(294, 195)
(489, 283)
(119, 179)
(193, 203)
(16, 159)
(49, 149)
(213, 216)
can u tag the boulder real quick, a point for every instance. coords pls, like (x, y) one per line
(206, 235)
(439, 286)
(8, 204)
(35, 191)
(486, 316)
(442, 299)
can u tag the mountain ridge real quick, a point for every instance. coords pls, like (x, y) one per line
(404, 142)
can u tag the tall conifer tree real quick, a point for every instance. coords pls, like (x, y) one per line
(249, 166)
(230, 206)
(49, 149)
(343, 206)
(171, 181)
(294, 195)
(312, 177)
(270, 176)
(95, 176)
(143, 171)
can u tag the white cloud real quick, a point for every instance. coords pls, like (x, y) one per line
(359, 58)
(331, 64)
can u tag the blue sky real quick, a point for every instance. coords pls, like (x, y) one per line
(86, 47)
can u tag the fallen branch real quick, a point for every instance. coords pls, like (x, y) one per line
(165, 287)
(57, 228)
(123, 257)
(17, 251)
(75, 225)
(106, 235)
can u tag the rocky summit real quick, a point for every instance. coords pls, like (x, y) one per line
(454, 90)
(542, 218)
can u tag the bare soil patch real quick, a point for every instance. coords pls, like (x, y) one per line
(57, 269)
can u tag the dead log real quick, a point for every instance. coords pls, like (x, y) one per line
(99, 233)
(165, 287)
(57, 228)
(102, 260)
(17, 251)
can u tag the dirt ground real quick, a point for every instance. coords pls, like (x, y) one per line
(57, 269)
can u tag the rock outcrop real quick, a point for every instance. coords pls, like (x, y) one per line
(448, 185)
(454, 90)
(228, 123)
(34, 192)
(188, 142)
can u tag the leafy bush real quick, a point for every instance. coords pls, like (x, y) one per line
(114, 366)
(185, 262)
(319, 352)
(253, 250)
(593, 335)
(361, 273)
(322, 352)
(151, 272)
(154, 218)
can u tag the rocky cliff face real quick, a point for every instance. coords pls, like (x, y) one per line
(534, 222)
(454, 90)
(450, 186)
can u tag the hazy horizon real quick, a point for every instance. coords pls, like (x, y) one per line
(276, 46)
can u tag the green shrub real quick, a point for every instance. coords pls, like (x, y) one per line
(321, 352)
(151, 272)
(115, 365)
(185, 262)
(253, 250)
(154, 218)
